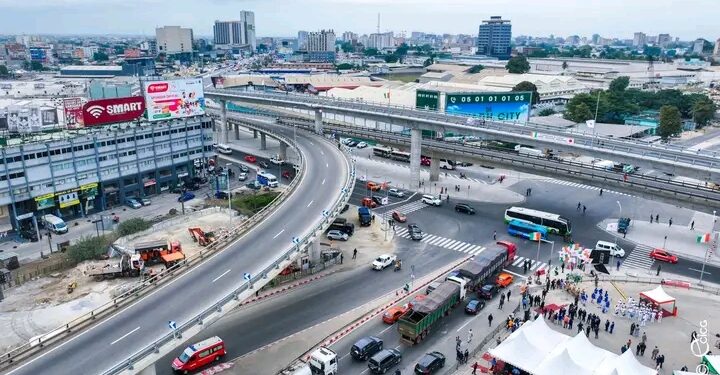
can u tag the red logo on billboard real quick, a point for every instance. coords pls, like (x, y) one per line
(108, 111)
(157, 87)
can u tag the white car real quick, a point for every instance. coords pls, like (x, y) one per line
(615, 250)
(383, 261)
(242, 176)
(276, 160)
(337, 235)
(361, 145)
(396, 193)
(431, 200)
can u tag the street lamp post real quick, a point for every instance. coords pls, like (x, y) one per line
(619, 217)
(712, 230)
(228, 188)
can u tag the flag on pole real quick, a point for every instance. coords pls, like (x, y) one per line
(590, 123)
(535, 236)
(534, 134)
(703, 238)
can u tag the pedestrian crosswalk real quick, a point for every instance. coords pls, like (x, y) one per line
(405, 208)
(639, 258)
(583, 186)
(448, 243)
(534, 265)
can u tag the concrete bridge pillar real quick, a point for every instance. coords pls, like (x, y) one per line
(237, 132)
(150, 370)
(318, 121)
(223, 136)
(434, 167)
(254, 133)
(283, 151)
(415, 152)
(263, 141)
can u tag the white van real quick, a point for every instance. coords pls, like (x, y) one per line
(224, 149)
(615, 250)
(54, 223)
(431, 200)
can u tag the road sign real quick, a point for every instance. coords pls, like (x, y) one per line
(246, 276)
(325, 213)
(295, 240)
(384, 200)
(172, 325)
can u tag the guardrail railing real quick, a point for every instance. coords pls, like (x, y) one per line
(139, 289)
(263, 276)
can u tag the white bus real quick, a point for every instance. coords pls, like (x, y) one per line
(555, 223)
(224, 149)
(267, 179)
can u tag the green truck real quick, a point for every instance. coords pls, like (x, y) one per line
(417, 322)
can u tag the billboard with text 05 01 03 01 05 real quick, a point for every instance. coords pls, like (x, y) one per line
(505, 106)
(171, 99)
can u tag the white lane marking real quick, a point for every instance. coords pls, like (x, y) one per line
(311, 202)
(321, 152)
(223, 274)
(327, 165)
(345, 356)
(279, 233)
(385, 330)
(125, 335)
(323, 182)
(468, 322)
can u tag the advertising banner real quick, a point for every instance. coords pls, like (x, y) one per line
(45, 201)
(428, 100)
(89, 191)
(73, 108)
(68, 199)
(180, 98)
(108, 111)
(507, 106)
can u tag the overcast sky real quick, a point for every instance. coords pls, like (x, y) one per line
(688, 19)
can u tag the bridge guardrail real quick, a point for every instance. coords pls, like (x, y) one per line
(60, 333)
(696, 157)
(233, 297)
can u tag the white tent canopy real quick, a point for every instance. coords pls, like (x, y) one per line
(576, 356)
(529, 345)
(625, 364)
(658, 295)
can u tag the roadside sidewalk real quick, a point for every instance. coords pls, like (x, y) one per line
(681, 241)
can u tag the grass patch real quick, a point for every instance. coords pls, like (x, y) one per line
(250, 204)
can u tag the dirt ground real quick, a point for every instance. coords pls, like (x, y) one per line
(369, 241)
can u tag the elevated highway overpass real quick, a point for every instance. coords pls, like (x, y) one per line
(697, 164)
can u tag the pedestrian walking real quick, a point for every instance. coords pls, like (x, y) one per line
(658, 271)
(470, 335)
(644, 337)
(660, 359)
(508, 296)
(341, 258)
(637, 349)
(618, 265)
(657, 218)
(607, 325)
(578, 206)
(651, 218)
(670, 222)
(494, 235)
(632, 328)
(490, 319)
(530, 191)
(643, 346)
(475, 366)
(692, 225)
(562, 267)
(612, 327)
(655, 352)
(584, 208)
(601, 190)
(355, 253)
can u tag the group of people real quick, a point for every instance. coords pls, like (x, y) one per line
(641, 312)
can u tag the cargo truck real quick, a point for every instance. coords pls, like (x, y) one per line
(323, 361)
(127, 266)
(365, 216)
(486, 263)
(418, 321)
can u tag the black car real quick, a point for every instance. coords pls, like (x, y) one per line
(464, 208)
(244, 168)
(381, 362)
(430, 363)
(488, 291)
(345, 208)
(377, 200)
(415, 233)
(366, 347)
(352, 144)
(264, 164)
(221, 195)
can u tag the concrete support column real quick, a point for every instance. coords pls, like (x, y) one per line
(263, 141)
(415, 152)
(223, 136)
(434, 167)
(150, 370)
(283, 151)
(237, 132)
(314, 251)
(318, 121)
(254, 133)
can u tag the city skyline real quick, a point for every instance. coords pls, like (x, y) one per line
(614, 19)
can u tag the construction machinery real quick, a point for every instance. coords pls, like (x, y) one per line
(160, 251)
(202, 238)
(126, 266)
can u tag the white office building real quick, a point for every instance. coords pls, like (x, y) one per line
(321, 41)
(174, 39)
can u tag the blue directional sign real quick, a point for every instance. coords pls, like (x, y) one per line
(172, 325)
(295, 240)
(246, 276)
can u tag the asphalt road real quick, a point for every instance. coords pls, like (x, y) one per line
(106, 343)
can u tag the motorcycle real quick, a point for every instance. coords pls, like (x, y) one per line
(462, 175)
(116, 219)
(398, 266)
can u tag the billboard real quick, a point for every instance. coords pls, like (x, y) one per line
(428, 100)
(73, 109)
(108, 111)
(174, 99)
(506, 106)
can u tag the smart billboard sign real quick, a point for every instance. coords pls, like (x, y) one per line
(172, 99)
(505, 106)
(108, 111)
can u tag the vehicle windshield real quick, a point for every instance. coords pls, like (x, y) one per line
(379, 259)
(185, 356)
(60, 226)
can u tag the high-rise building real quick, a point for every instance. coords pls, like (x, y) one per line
(302, 40)
(663, 40)
(698, 45)
(321, 41)
(174, 39)
(247, 32)
(227, 33)
(596, 39)
(716, 51)
(639, 39)
(349, 36)
(494, 37)
(381, 40)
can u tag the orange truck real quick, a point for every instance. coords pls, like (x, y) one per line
(158, 251)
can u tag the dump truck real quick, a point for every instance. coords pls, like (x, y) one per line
(486, 263)
(418, 321)
(160, 251)
(126, 266)
(201, 237)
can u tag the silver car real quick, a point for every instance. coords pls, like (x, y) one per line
(396, 193)
(337, 235)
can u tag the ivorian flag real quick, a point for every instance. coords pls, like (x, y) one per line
(703, 238)
(535, 236)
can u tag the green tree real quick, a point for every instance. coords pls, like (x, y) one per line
(619, 84)
(518, 65)
(3, 70)
(131, 226)
(391, 58)
(402, 50)
(36, 65)
(703, 111)
(87, 248)
(428, 62)
(578, 113)
(475, 69)
(528, 86)
(347, 47)
(344, 66)
(370, 52)
(100, 56)
(670, 121)
(546, 112)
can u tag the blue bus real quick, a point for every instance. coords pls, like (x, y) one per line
(524, 229)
